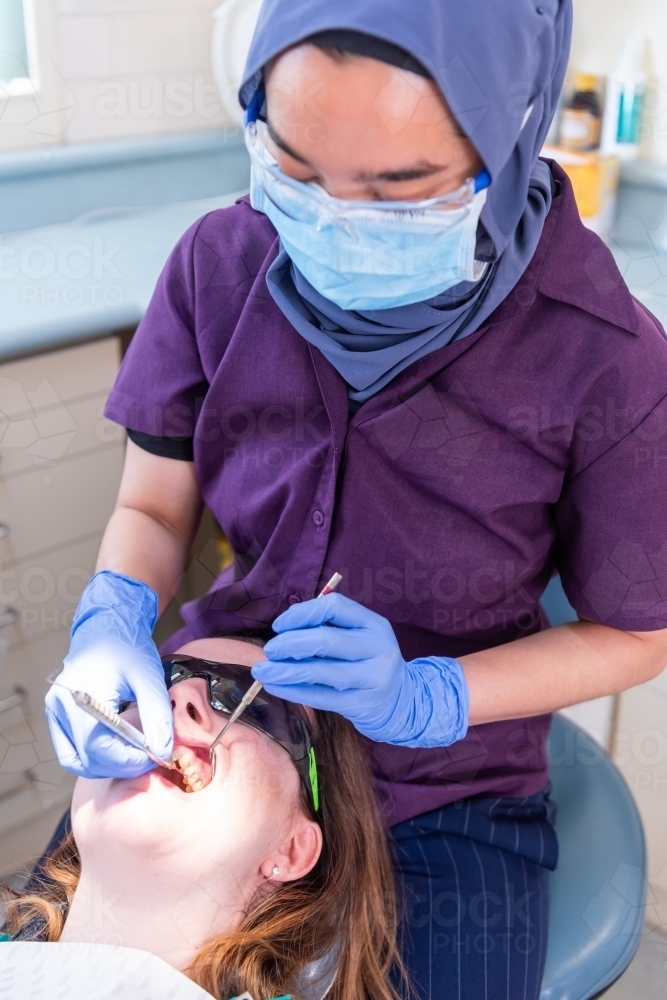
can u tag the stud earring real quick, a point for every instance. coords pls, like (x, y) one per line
(274, 871)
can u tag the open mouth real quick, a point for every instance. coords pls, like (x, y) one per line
(193, 768)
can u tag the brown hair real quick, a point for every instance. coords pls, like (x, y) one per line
(346, 902)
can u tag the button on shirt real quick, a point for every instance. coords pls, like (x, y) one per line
(537, 444)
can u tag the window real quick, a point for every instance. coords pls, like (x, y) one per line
(14, 47)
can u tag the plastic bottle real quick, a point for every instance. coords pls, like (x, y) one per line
(624, 102)
(581, 120)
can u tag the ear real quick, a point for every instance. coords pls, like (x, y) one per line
(296, 856)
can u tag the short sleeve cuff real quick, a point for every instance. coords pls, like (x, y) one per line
(180, 448)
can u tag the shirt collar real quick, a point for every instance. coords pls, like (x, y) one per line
(578, 268)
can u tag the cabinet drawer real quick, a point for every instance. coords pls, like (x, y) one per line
(44, 380)
(44, 591)
(43, 510)
(55, 435)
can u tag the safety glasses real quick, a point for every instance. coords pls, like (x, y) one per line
(328, 207)
(285, 723)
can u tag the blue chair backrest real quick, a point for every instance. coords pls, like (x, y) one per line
(598, 891)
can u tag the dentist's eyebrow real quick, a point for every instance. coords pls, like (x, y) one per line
(415, 172)
(421, 169)
(281, 144)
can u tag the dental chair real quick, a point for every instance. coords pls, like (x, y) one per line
(598, 891)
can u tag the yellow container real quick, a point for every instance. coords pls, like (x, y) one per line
(594, 178)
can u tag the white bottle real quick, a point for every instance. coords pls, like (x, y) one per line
(624, 101)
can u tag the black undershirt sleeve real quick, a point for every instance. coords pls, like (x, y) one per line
(180, 448)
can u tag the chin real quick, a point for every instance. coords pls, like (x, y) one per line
(131, 813)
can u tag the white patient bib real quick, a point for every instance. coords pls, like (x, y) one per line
(43, 971)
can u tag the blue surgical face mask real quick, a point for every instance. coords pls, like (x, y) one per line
(368, 255)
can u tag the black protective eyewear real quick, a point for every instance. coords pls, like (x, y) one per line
(282, 721)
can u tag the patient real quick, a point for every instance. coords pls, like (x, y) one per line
(242, 883)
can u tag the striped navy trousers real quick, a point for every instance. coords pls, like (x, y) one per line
(473, 893)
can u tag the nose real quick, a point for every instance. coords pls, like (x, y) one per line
(348, 190)
(190, 705)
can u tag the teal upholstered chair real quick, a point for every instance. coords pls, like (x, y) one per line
(597, 900)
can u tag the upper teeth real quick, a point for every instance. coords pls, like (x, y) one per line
(186, 762)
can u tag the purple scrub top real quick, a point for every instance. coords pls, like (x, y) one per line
(537, 444)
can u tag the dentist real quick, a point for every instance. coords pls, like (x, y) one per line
(403, 358)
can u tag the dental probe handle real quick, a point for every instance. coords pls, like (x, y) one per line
(329, 587)
(121, 727)
(255, 688)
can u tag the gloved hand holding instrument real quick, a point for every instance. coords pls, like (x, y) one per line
(330, 653)
(112, 657)
(335, 654)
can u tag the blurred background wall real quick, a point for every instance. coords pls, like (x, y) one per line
(111, 69)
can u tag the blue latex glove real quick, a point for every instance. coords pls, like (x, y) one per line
(356, 669)
(113, 658)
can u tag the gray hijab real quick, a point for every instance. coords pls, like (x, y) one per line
(500, 66)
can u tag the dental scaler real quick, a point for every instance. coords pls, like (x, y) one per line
(121, 727)
(255, 688)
